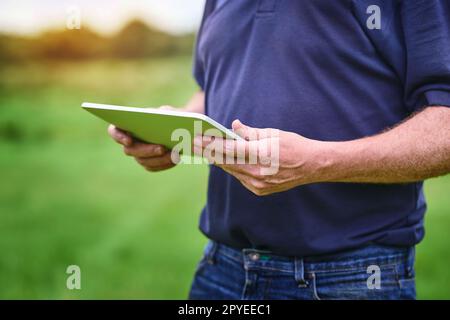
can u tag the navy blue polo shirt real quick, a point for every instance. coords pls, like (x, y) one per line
(327, 70)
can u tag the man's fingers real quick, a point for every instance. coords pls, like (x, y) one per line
(158, 162)
(153, 169)
(256, 186)
(249, 133)
(226, 150)
(248, 170)
(120, 136)
(244, 131)
(144, 150)
(224, 147)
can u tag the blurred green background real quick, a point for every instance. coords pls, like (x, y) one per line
(69, 196)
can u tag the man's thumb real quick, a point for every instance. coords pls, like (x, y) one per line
(242, 130)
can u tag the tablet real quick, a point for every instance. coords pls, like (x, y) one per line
(165, 127)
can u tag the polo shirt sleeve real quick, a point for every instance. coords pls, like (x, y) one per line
(426, 27)
(198, 66)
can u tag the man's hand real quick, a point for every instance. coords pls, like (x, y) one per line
(152, 157)
(281, 160)
(415, 150)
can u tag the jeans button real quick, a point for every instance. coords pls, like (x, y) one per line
(254, 256)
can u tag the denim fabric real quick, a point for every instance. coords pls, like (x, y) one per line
(228, 273)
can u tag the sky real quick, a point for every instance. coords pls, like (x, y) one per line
(105, 16)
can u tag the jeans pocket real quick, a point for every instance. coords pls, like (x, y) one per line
(377, 283)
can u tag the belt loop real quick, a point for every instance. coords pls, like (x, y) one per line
(210, 256)
(410, 261)
(300, 273)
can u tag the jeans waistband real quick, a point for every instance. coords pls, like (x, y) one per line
(362, 257)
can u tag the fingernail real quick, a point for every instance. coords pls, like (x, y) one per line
(125, 141)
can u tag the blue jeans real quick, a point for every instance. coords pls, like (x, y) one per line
(372, 272)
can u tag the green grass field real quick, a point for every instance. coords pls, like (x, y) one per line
(69, 196)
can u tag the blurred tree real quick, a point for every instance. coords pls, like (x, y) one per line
(136, 40)
(14, 48)
(71, 44)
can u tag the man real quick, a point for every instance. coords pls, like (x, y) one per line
(360, 91)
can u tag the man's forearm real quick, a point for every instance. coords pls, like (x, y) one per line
(417, 149)
(196, 103)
